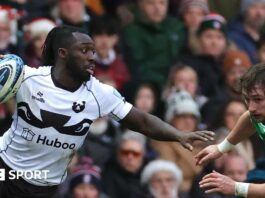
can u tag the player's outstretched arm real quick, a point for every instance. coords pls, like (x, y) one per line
(155, 128)
(242, 130)
(216, 182)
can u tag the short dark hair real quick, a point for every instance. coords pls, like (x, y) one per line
(254, 76)
(58, 37)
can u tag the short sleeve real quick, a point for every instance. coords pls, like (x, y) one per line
(110, 101)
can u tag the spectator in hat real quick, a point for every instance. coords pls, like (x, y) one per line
(207, 63)
(192, 13)
(245, 30)
(183, 113)
(105, 33)
(121, 177)
(35, 33)
(161, 179)
(85, 184)
(235, 64)
(152, 41)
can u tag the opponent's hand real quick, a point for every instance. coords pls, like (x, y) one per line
(187, 139)
(216, 182)
(207, 154)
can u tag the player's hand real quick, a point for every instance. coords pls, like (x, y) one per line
(2, 56)
(216, 182)
(207, 154)
(187, 139)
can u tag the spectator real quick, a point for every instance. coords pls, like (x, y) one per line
(100, 142)
(236, 167)
(207, 64)
(84, 181)
(192, 13)
(72, 12)
(182, 113)
(36, 32)
(235, 64)
(86, 184)
(8, 28)
(184, 77)
(245, 30)
(162, 179)
(104, 31)
(261, 49)
(121, 178)
(152, 41)
(146, 98)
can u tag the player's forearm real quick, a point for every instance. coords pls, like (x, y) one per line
(159, 130)
(256, 191)
(150, 126)
(242, 130)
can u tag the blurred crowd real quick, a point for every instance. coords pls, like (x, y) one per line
(178, 59)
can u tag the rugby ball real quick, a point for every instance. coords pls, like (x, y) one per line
(11, 76)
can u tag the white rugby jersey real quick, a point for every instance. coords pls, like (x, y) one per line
(51, 123)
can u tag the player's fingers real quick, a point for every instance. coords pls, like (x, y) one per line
(208, 134)
(200, 154)
(209, 185)
(188, 146)
(199, 136)
(204, 160)
(210, 175)
(2, 55)
(212, 190)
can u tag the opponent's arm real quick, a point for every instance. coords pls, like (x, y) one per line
(155, 128)
(242, 130)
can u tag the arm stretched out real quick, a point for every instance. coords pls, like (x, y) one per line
(155, 128)
(216, 182)
(242, 130)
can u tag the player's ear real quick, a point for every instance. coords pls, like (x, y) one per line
(62, 52)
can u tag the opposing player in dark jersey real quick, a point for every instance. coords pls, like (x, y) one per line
(56, 104)
(253, 90)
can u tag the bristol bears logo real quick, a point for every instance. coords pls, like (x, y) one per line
(78, 107)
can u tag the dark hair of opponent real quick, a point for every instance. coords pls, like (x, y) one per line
(254, 76)
(58, 37)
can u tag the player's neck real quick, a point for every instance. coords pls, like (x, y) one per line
(62, 77)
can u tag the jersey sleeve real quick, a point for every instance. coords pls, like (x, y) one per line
(111, 103)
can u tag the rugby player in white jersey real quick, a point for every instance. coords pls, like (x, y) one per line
(56, 105)
(252, 85)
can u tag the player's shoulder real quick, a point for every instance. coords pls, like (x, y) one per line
(40, 71)
(96, 86)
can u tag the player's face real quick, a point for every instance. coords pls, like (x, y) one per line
(255, 101)
(81, 57)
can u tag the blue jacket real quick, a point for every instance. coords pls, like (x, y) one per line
(242, 39)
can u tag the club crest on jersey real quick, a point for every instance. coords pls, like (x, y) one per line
(78, 107)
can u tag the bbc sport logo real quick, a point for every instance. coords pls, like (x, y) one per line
(2, 174)
(28, 174)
